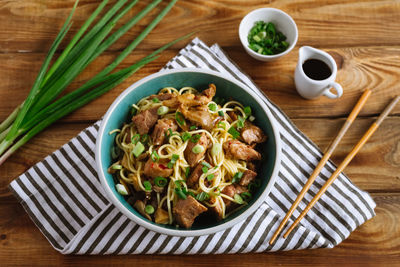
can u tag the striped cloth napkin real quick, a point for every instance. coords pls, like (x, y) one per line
(63, 196)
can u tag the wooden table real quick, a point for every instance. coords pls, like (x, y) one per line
(363, 37)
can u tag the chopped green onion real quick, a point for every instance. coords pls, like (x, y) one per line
(210, 177)
(187, 172)
(193, 127)
(174, 158)
(179, 118)
(240, 123)
(155, 100)
(247, 111)
(257, 38)
(235, 134)
(133, 111)
(221, 124)
(265, 39)
(138, 149)
(204, 169)
(179, 183)
(147, 185)
(252, 118)
(154, 156)
(160, 181)
(145, 138)
(162, 110)
(180, 193)
(121, 189)
(246, 196)
(135, 138)
(212, 107)
(186, 136)
(195, 138)
(169, 133)
(197, 149)
(236, 178)
(238, 199)
(149, 209)
(221, 113)
(116, 167)
(190, 193)
(202, 196)
(206, 164)
(216, 149)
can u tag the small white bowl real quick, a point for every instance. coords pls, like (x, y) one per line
(283, 23)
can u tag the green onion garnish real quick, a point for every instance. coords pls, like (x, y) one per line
(212, 107)
(195, 138)
(240, 123)
(238, 199)
(149, 209)
(160, 181)
(202, 196)
(174, 158)
(221, 113)
(264, 39)
(197, 149)
(221, 124)
(246, 196)
(252, 118)
(216, 149)
(186, 136)
(210, 177)
(204, 169)
(235, 134)
(193, 127)
(187, 172)
(205, 163)
(162, 110)
(180, 193)
(144, 138)
(179, 183)
(116, 167)
(236, 178)
(154, 156)
(133, 111)
(135, 138)
(147, 185)
(247, 111)
(121, 189)
(155, 100)
(138, 149)
(179, 118)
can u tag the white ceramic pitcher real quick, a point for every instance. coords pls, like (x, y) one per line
(310, 88)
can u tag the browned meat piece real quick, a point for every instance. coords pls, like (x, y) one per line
(191, 157)
(240, 189)
(239, 150)
(162, 97)
(216, 210)
(251, 166)
(252, 134)
(194, 176)
(230, 191)
(248, 176)
(161, 216)
(206, 96)
(162, 126)
(154, 169)
(190, 100)
(233, 115)
(145, 120)
(186, 210)
(199, 116)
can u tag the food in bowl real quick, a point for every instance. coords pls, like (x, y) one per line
(186, 154)
(265, 39)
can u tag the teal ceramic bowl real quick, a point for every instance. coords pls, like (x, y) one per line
(228, 88)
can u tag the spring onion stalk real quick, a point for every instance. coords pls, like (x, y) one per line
(40, 109)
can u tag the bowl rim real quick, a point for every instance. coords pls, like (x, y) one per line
(243, 38)
(176, 232)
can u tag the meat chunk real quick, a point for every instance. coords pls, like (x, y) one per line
(251, 166)
(233, 115)
(207, 95)
(162, 126)
(145, 120)
(248, 176)
(191, 157)
(239, 150)
(191, 100)
(231, 190)
(217, 209)
(161, 216)
(252, 134)
(195, 176)
(199, 116)
(154, 169)
(162, 97)
(186, 211)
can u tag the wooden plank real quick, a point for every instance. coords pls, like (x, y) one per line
(375, 169)
(21, 242)
(30, 24)
(377, 68)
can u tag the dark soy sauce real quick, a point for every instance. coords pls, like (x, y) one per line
(316, 69)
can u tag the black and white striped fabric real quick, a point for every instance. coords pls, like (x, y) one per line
(64, 198)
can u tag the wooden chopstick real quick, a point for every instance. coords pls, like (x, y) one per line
(345, 162)
(323, 161)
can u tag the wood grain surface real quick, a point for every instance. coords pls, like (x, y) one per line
(362, 36)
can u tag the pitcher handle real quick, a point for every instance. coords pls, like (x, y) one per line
(338, 88)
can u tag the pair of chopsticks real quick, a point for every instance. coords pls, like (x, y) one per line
(325, 158)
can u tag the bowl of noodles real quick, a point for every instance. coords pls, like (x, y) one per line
(188, 152)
